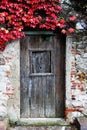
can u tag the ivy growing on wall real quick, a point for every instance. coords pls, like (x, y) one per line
(16, 15)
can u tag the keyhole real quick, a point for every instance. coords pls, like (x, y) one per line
(40, 67)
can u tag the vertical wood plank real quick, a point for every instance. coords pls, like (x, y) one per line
(24, 98)
(41, 96)
(60, 97)
(49, 97)
(59, 78)
(29, 94)
(34, 98)
(24, 71)
(34, 41)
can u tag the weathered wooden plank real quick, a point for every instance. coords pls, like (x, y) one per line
(60, 97)
(29, 94)
(46, 42)
(41, 96)
(34, 41)
(34, 98)
(24, 58)
(41, 74)
(50, 42)
(59, 57)
(24, 98)
(47, 45)
(39, 32)
(49, 97)
(24, 71)
(59, 78)
(42, 42)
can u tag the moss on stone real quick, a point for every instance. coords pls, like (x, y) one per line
(31, 122)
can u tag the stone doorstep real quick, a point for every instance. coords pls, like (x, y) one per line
(83, 127)
(41, 128)
(3, 124)
(70, 128)
(83, 121)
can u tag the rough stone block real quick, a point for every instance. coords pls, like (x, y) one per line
(3, 124)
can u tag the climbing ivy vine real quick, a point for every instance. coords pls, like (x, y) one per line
(16, 15)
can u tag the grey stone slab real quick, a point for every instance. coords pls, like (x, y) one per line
(83, 127)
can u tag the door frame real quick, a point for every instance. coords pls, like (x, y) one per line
(43, 33)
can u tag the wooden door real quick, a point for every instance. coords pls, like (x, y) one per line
(42, 76)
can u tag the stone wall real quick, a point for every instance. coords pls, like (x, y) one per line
(76, 79)
(10, 81)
